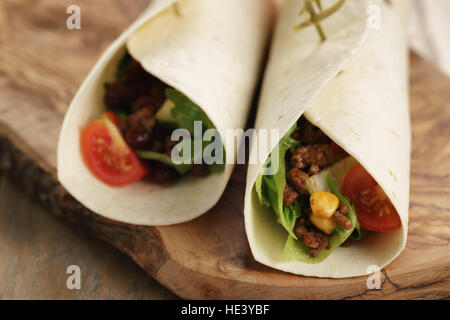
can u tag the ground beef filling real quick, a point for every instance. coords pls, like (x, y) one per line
(340, 218)
(315, 153)
(313, 158)
(313, 237)
(139, 95)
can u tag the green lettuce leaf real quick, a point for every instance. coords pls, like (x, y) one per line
(259, 192)
(357, 234)
(121, 66)
(185, 113)
(163, 158)
(270, 188)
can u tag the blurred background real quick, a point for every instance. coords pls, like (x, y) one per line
(429, 31)
(35, 247)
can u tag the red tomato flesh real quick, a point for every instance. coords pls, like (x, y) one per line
(108, 156)
(113, 117)
(374, 209)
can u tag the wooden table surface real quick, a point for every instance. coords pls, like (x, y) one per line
(36, 248)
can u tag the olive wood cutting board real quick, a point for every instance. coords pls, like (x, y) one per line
(42, 63)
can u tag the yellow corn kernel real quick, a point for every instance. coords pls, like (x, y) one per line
(324, 204)
(327, 225)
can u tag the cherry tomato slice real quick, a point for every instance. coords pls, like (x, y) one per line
(108, 156)
(374, 209)
(113, 117)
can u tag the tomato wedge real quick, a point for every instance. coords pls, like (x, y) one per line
(113, 117)
(107, 155)
(374, 209)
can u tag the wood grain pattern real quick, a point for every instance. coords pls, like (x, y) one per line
(209, 257)
(36, 249)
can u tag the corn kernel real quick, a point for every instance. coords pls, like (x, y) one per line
(327, 225)
(324, 204)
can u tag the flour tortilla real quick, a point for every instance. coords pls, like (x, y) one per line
(209, 50)
(355, 88)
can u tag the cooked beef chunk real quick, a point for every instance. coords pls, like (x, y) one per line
(161, 173)
(316, 240)
(316, 150)
(314, 253)
(318, 156)
(157, 92)
(151, 93)
(144, 118)
(289, 195)
(308, 134)
(162, 136)
(297, 178)
(313, 170)
(344, 209)
(342, 220)
(300, 229)
(134, 89)
(313, 238)
(143, 102)
(133, 72)
(138, 138)
(169, 145)
(347, 243)
(199, 170)
(137, 128)
(119, 96)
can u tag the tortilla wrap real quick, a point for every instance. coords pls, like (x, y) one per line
(212, 53)
(354, 87)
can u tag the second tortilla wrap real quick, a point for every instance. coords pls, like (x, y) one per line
(210, 51)
(354, 87)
